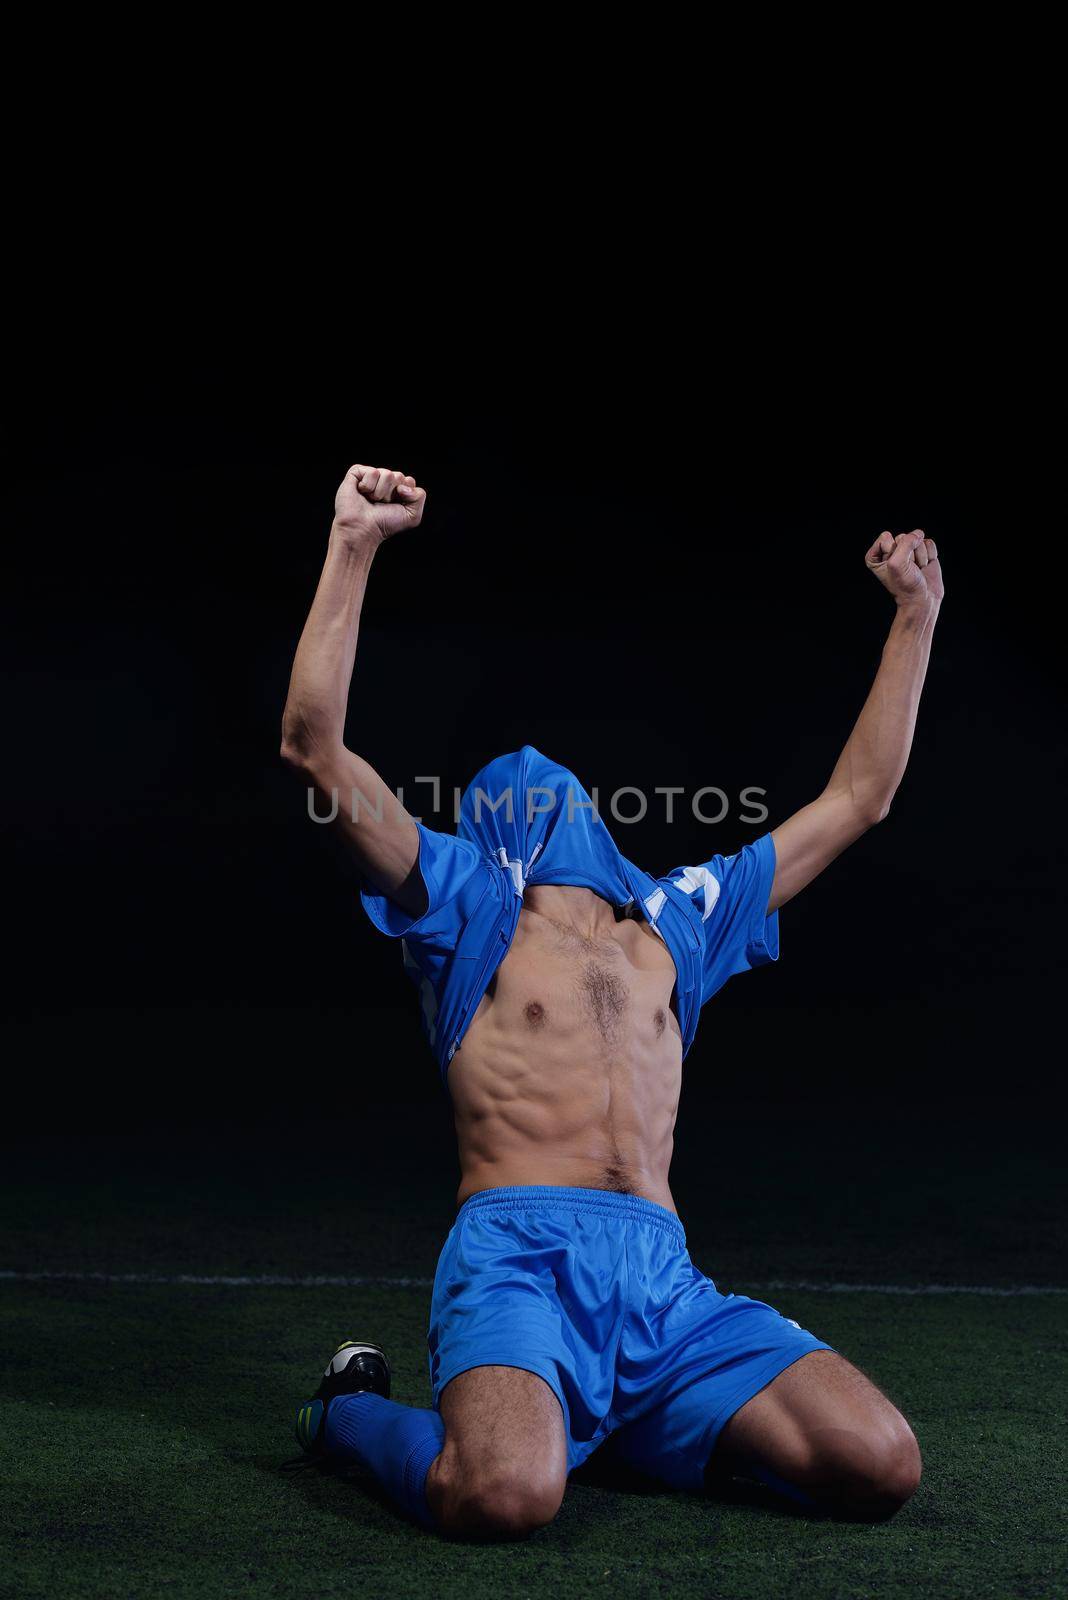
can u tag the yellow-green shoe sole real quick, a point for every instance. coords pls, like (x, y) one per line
(309, 1420)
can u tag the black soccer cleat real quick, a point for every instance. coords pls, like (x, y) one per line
(354, 1369)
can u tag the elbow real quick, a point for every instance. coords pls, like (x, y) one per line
(869, 805)
(307, 754)
(875, 811)
(297, 750)
(293, 755)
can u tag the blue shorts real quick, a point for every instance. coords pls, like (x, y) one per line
(595, 1292)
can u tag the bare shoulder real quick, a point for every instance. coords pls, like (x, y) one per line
(644, 945)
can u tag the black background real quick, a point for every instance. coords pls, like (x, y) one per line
(642, 559)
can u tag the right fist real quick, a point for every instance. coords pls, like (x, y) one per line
(375, 503)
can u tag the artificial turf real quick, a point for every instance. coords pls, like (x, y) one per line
(146, 1424)
(146, 1427)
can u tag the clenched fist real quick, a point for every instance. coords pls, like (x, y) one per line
(375, 503)
(907, 564)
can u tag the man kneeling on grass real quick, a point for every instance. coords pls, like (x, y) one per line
(560, 988)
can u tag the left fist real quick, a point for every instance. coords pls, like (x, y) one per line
(374, 503)
(907, 564)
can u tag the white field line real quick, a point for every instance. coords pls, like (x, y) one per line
(918, 1288)
(279, 1281)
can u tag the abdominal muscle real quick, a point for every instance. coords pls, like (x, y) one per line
(570, 1070)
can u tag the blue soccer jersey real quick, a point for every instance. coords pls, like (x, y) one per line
(527, 820)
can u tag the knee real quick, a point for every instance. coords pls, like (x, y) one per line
(900, 1469)
(511, 1508)
(878, 1473)
(501, 1503)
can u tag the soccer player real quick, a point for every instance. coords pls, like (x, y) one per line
(560, 989)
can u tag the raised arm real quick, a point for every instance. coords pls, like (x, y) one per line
(865, 779)
(372, 504)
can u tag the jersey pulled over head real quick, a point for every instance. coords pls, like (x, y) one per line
(535, 817)
(525, 819)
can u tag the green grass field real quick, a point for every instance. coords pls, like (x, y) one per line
(146, 1424)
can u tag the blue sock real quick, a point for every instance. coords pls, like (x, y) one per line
(396, 1443)
(780, 1485)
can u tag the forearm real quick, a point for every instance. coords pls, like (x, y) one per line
(313, 723)
(873, 761)
(872, 764)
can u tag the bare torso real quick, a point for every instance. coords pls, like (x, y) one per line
(571, 1068)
